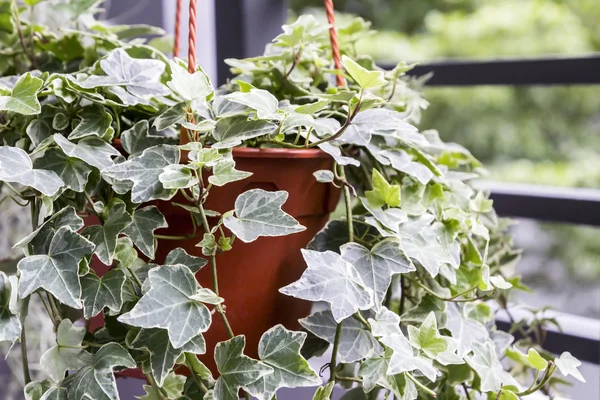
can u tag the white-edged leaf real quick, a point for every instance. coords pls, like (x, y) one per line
(332, 279)
(168, 304)
(138, 138)
(355, 343)
(401, 161)
(427, 338)
(230, 132)
(265, 104)
(72, 171)
(464, 329)
(279, 348)
(144, 171)
(406, 359)
(177, 176)
(485, 363)
(224, 172)
(105, 236)
(190, 87)
(180, 256)
(95, 121)
(567, 365)
(40, 238)
(258, 213)
(94, 151)
(170, 117)
(324, 176)
(57, 271)
(173, 385)
(106, 291)
(374, 372)
(16, 167)
(141, 231)
(375, 121)
(10, 325)
(377, 266)
(23, 96)
(385, 323)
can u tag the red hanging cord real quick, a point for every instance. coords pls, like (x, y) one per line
(335, 47)
(192, 38)
(177, 29)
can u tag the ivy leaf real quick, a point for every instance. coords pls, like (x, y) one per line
(35, 390)
(374, 373)
(385, 323)
(376, 121)
(332, 279)
(355, 343)
(10, 326)
(23, 96)
(230, 132)
(144, 172)
(105, 236)
(567, 365)
(72, 171)
(173, 386)
(137, 138)
(364, 78)
(259, 213)
(68, 353)
(324, 392)
(485, 363)
(16, 166)
(177, 176)
(97, 381)
(427, 338)
(58, 270)
(383, 193)
(169, 305)
(464, 329)
(180, 256)
(41, 238)
(532, 359)
(94, 151)
(401, 161)
(377, 266)
(224, 172)
(162, 353)
(480, 204)
(102, 292)
(141, 231)
(324, 176)
(140, 77)
(95, 121)
(236, 369)
(190, 87)
(404, 358)
(265, 104)
(279, 348)
(391, 218)
(427, 250)
(170, 117)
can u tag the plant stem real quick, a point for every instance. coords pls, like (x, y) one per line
(135, 277)
(340, 131)
(55, 309)
(420, 385)
(533, 389)
(160, 391)
(189, 364)
(449, 299)
(466, 389)
(358, 316)
(348, 378)
(336, 345)
(402, 296)
(22, 41)
(23, 309)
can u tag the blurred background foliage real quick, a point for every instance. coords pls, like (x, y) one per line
(541, 135)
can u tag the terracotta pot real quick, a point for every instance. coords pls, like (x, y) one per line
(251, 274)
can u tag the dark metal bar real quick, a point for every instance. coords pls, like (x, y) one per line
(244, 27)
(576, 206)
(523, 72)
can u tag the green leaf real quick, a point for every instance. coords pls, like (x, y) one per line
(102, 292)
(230, 132)
(16, 167)
(178, 176)
(405, 359)
(125, 253)
(383, 193)
(567, 365)
(532, 359)
(169, 305)
(377, 266)
(140, 78)
(94, 151)
(464, 329)
(137, 139)
(97, 381)
(173, 386)
(355, 342)
(259, 213)
(58, 270)
(188, 86)
(374, 373)
(180, 256)
(68, 353)
(324, 176)
(224, 172)
(279, 348)
(41, 127)
(485, 363)
(66, 49)
(105, 236)
(208, 244)
(427, 338)
(162, 353)
(332, 279)
(10, 325)
(170, 117)
(324, 392)
(141, 231)
(35, 390)
(41, 238)
(480, 204)
(95, 121)
(236, 369)
(72, 171)
(364, 78)
(23, 96)
(144, 171)
(265, 104)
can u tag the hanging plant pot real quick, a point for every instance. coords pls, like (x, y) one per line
(252, 273)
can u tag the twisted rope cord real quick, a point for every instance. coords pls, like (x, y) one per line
(177, 29)
(335, 47)
(192, 38)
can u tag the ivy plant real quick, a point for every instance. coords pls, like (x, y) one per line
(408, 275)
